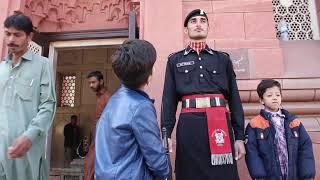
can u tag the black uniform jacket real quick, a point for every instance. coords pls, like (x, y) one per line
(209, 72)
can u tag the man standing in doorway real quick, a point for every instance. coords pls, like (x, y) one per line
(96, 83)
(204, 80)
(27, 104)
(71, 134)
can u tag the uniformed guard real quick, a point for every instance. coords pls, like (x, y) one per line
(209, 140)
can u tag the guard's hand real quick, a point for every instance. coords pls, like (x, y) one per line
(19, 148)
(240, 151)
(170, 144)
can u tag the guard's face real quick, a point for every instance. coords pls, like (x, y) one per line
(197, 28)
(95, 84)
(16, 40)
(272, 99)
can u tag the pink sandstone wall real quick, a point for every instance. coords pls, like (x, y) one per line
(244, 28)
(161, 25)
(7, 7)
(246, 25)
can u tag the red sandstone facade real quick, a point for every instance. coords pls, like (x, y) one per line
(244, 28)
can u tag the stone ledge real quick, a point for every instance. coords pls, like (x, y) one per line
(287, 96)
(287, 84)
(293, 90)
(298, 108)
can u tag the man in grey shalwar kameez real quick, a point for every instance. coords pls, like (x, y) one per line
(27, 105)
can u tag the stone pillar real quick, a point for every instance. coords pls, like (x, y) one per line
(4, 9)
(161, 24)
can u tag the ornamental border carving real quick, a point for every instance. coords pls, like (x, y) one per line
(79, 11)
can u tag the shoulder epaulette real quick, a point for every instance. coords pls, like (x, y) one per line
(174, 53)
(224, 53)
(259, 122)
(171, 54)
(294, 123)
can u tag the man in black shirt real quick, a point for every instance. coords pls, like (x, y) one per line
(209, 141)
(71, 133)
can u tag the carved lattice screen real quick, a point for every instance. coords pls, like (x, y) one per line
(35, 48)
(297, 16)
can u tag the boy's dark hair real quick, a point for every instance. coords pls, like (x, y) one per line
(265, 84)
(133, 62)
(20, 22)
(96, 74)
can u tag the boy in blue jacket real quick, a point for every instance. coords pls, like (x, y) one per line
(128, 144)
(278, 146)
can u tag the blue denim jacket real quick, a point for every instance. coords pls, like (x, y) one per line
(128, 143)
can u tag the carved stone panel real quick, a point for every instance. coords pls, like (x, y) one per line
(71, 15)
(240, 62)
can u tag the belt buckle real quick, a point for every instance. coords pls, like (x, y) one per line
(203, 102)
(217, 101)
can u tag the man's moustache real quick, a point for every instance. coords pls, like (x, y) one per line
(12, 45)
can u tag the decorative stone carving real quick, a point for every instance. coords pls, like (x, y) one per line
(81, 13)
(240, 62)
